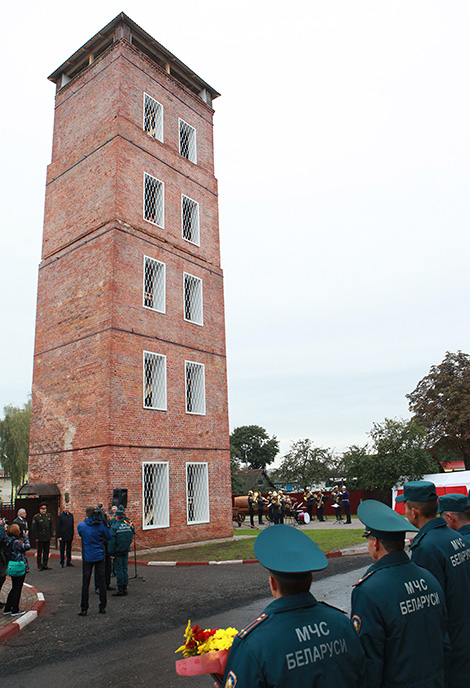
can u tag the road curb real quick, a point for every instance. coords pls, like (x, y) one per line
(16, 626)
(348, 552)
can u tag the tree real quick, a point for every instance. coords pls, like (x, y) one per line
(397, 453)
(252, 446)
(305, 464)
(237, 485)
(441, 403)
(14, 443)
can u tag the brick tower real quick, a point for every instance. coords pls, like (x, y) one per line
(129, 382)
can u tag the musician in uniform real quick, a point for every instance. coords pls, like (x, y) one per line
(251, 508)
(345, 503)
(336, 500)
(447, 556)
(260, 504)
(308, 499)
(270, 506)
(276, 507)
(296, 641)
(319, 505)
(397, 608)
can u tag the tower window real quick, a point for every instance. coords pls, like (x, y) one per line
(153, 117)
(195, 388)
(197, 492)
(153, 200)
(193, 299)
(154, 381)
(190, 219)
(187, 141)
(154, 284)
(156, 495)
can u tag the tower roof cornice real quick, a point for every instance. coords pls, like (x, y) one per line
(123, 28)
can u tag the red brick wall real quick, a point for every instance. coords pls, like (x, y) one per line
(90, 432)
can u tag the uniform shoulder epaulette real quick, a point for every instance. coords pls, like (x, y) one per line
(331, 606)
(253, 624)
(361, 580)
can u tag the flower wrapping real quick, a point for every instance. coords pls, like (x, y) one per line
(209, 663)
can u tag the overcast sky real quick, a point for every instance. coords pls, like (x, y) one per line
(342, 153)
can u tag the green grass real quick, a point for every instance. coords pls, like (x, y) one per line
(327, 540)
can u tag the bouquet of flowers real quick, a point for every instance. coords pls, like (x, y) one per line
(205, 651)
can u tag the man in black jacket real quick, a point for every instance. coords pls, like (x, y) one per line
(42, 532)
(64, 528)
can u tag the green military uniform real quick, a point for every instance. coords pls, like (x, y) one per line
(121, 540)
(398, 610)
(456, 503)
(446, 554)
(297, 641)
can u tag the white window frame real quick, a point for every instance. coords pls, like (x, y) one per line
(205, 507)
(161, 305)
(192, 147)
(160, 221)
(196, 293)
(202, 367)
(158, 107)
(194, 231)
(163, 516)
(163, 401)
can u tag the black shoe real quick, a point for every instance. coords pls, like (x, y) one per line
(110, 587)
(101, 611)
(70, 564)
(46, 568)
(82, 612)
(61, 566)
(40, 568)
(120, 593)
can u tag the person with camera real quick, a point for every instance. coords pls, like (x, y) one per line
(93, 533)
(17, 546)
(3, 553)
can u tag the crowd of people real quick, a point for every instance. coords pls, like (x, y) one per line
(410, 617)
(106, 539)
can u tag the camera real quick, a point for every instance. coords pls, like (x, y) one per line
(97, 516)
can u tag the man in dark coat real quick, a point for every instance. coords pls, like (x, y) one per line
(447, 555)
(398, 608)
(64, 531)
(42, 533)
(21, 521)
(296, 641)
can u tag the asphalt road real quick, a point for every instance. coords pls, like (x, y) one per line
(133, 644)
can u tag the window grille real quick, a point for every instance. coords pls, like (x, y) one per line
(190, 219)
(154, 284)
(156, 495)
(195, 388)
(153, 200)
(153, 117)
(154, 381)
(187, 141)
(193, 299)
(197, 492)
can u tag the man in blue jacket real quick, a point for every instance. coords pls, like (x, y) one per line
(398, 608)
(447, 555)
(296, 641)
(121, 539)
(93, 533)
